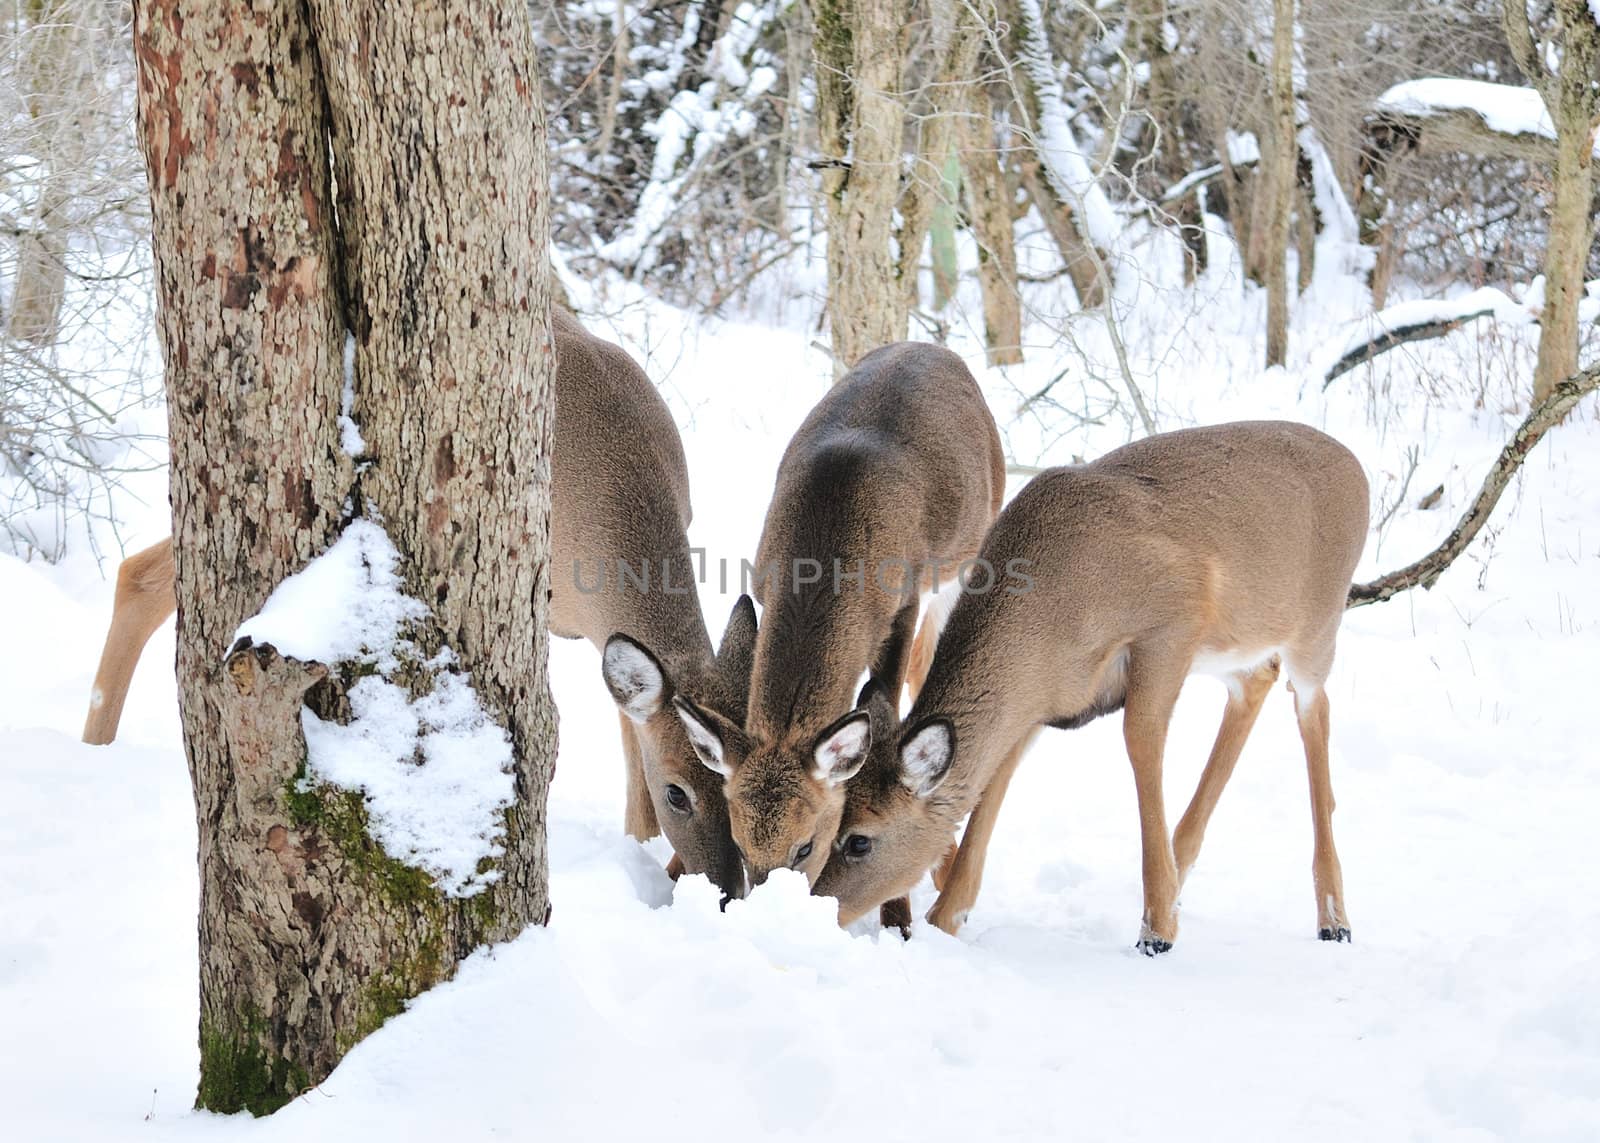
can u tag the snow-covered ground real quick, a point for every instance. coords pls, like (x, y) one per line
(1465, 763)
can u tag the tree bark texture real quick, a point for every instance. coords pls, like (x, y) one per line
(1574, 104)
(1281, 182)
(860, 48)
(310, 935)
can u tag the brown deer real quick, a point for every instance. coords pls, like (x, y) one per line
(888, 485)
(1226, 550)
(619, 496)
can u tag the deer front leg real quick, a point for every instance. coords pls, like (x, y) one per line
(965, 875)
(889, 669)
(639, 812)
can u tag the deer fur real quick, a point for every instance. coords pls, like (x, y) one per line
(1227, 550)
(619, 492)
(900, 462)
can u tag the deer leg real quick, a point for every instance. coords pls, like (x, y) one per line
(1246, 693)
(639, 812)
(1154, 680)
(941, 872)
(965, 875)
(1333, 923)
(889, 669)
(144, 599)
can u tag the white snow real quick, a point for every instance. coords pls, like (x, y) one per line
(345, 604)
(349, 432)
(1463, 760)
(1503, 108)
(435, 771)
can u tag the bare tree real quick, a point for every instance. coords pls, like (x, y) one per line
(859, 50)
(311, 932)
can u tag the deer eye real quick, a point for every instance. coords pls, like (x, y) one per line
(857, 845)
(802, 853)
(677, 799)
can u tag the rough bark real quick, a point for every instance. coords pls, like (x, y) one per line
(988, 203)
(860, 49)
(55, 75)
(310, 935)
(1076, 257)
(1544, 416)
(1280, 162)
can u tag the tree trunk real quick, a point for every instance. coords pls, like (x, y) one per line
(1571, 216)
(1281, 182)
(310, 934)
(989, 214)
(859, 48)
(56, 76)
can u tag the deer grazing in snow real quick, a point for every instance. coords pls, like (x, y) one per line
(619, 495)
(1226, 550)
(890, 483)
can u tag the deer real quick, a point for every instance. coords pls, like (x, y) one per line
(1225, 550)
(619, 496)
(898, 467)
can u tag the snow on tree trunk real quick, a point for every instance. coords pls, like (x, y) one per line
(312, 933)
(859, 47)
(1066, 181)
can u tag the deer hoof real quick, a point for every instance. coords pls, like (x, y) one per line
(1153, 946)
(1341, 935)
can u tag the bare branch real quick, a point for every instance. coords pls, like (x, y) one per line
(1540, 420)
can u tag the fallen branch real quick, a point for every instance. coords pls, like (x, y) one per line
(1400, 335)
(1426, 571)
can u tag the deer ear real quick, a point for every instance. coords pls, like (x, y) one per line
(925, 756)
(634, 677)
(704, 736)
(841, 750)
(736, 656)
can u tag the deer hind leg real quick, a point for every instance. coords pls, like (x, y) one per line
(1155, 676)
(639, 812)
(965, 874)
(144, 599)
(1246, 692)
(927, 640)
(1311, 706)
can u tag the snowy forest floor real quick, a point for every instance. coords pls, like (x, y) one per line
(1464, 760)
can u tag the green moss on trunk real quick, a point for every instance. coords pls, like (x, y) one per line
(238, 1072)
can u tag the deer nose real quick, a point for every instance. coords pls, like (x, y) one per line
(735, 885)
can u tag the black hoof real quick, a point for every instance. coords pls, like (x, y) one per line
(1341, 934)
(1154, 946)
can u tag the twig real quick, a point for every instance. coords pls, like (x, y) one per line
(1540, 420)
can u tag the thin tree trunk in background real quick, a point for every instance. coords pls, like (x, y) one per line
(310, 934)
(989, 215)
(1280, 182)
(54, 73)
(859, 47)
(1574, 109)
